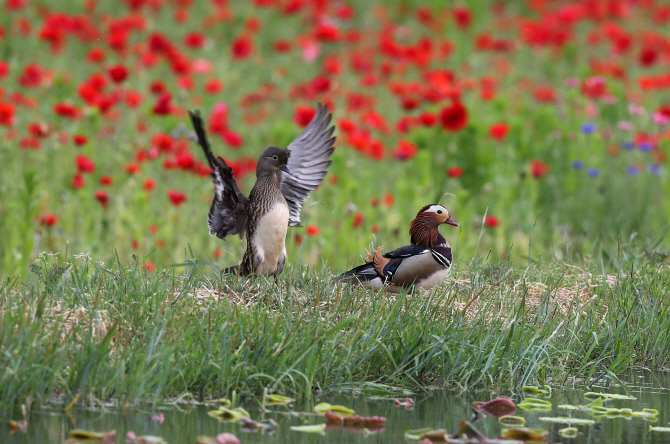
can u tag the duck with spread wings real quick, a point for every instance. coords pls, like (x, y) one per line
(284, 179)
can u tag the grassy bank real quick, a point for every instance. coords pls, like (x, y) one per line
(114, 332)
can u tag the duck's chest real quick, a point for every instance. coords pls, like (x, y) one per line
(269, 237)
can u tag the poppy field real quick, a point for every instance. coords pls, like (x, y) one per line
(543, 126)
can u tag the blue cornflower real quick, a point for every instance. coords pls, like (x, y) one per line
(631, 170)
(577, 164)
(593, 172)
(645, 146)
(588, 128)
(627, 145)
(654, 169)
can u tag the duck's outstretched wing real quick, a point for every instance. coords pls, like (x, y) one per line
(229, 211)
(308, 162)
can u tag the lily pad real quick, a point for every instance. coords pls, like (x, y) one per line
(317, 428)
(225, 414)
(592, 395)
(325, 407)
(278, 399)
(512, 420)
(536, 391)
(568, 432)
(566, 420)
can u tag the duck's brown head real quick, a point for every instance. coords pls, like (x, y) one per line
(424, 228)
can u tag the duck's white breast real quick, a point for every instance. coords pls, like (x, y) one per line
(270, 237)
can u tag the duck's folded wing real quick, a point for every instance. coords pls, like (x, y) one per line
(308, 162)
(404, 265)
(229, 211)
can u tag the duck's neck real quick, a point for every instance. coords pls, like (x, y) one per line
(423, 231)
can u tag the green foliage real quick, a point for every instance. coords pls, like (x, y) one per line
(114, 331)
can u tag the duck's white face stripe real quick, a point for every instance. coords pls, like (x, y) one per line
(439, 209)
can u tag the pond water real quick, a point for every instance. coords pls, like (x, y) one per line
(438, 410)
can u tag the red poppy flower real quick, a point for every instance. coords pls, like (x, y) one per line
(498, 131)
(7, 114)
(176, 198)
(389, 200)
(95, 55)
(544, 94)
(67, 110)
(539, 169)
(427, 119)
(48, 220)
(405, 150)
(194, 40)
(242, 47)
(102, 197)
(491, 221)
(281, 46)
(118, 73)
(454, 117)
(313, 230)
(232, 139)
(149, 184)
(463, 17)
(163, 105)
(84, 164)
(106, 181)
(132, 168)
(213, 86)
(303, 115)
(149, 266)
(133, 98)
(648, 56)
(455, 172)
(358, 219)
(30, 143)
(32, 76)
(78, 181)
(79, 139)
(4, 68)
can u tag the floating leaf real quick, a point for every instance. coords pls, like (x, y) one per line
(566, 420)
(497, 407)
(536, 391)
(568, 432)
(318, 428)
(535, 404)
(524, 433)
(278, 399)
(659, 429)
(512, 420)
(591, 395)
(86, 436)
(131, 438)
(325, 407)
(650, 411)
(223, 401)
(225, 414)
(370, 421)
(415, 435)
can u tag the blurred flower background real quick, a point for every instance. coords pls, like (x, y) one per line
(539, 117)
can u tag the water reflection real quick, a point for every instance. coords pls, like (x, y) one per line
(443, 409)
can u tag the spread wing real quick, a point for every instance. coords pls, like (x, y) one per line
(228, 213)
(308, 161)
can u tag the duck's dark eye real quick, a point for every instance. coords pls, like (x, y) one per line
(275, 157)
(439, 211)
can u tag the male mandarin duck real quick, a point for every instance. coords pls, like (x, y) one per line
(275, 201)
(423, 264)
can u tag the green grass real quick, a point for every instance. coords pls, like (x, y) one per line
(115, 332)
